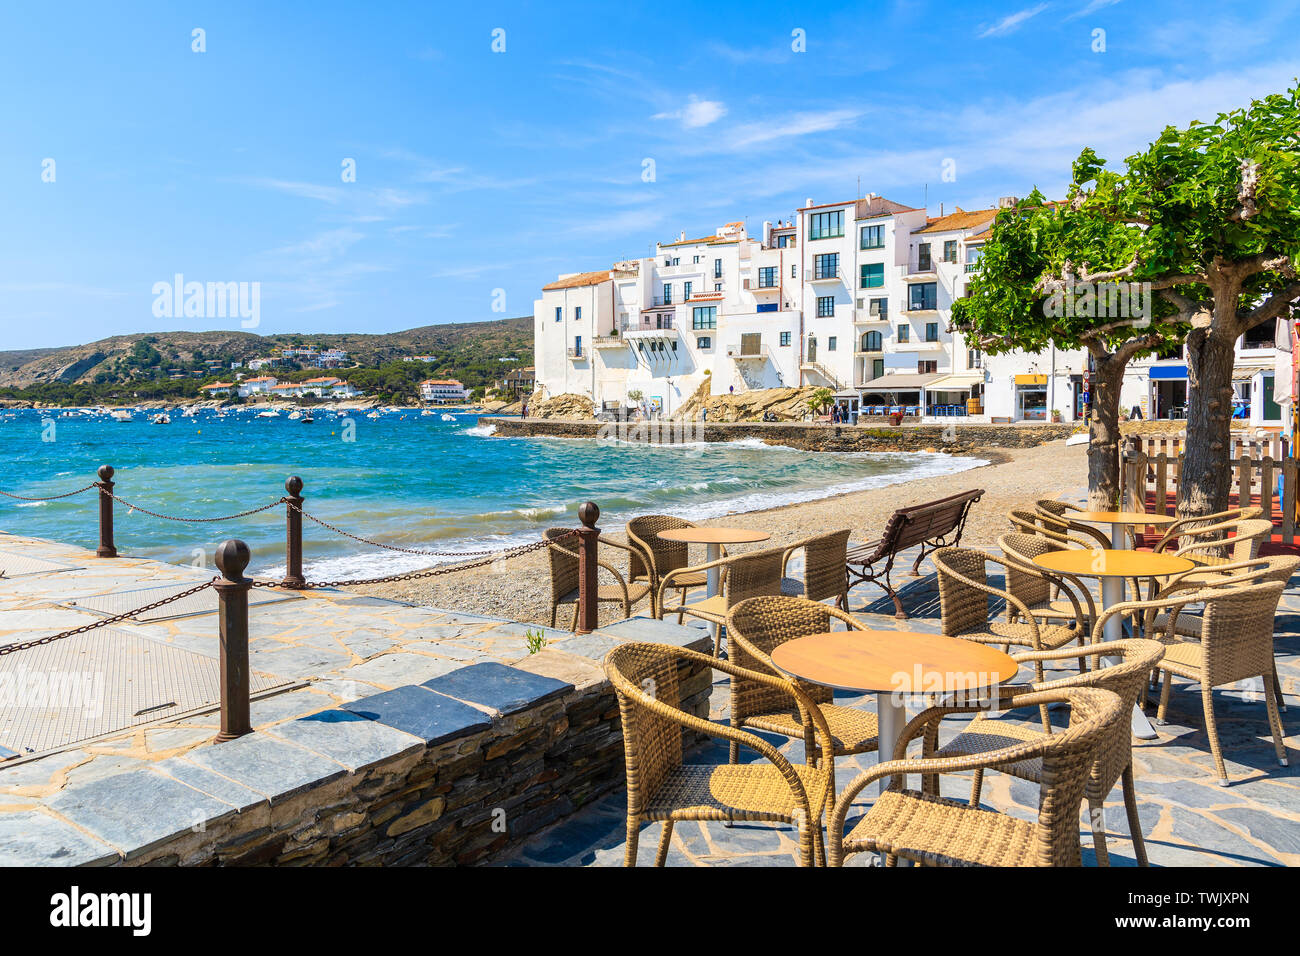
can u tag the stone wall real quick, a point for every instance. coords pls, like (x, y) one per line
(956, 438)
(453, 771)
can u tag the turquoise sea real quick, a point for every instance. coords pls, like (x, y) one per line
(435, 482)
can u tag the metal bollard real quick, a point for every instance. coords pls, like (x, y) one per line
(232, 620)
(588, 585)
(106, 548)
(293, 535)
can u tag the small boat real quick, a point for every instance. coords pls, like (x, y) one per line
(163, 419)
(120, 415)
(373, 415)
(294, 416)
(271, 414)
(307, 419)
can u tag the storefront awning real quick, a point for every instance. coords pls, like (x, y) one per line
(1031, 379)
(1244, 373)
(1168, 371)
(900, 383)
(958, 382)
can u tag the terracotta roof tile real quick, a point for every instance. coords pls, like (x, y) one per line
(961, 219)
(578, 281)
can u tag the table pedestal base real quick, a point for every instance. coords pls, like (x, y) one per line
(1112, 593)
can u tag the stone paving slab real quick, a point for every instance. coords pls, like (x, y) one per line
(277, 769)
(347, 738)
(430, 716)
(32, 838)
(499, 690)
(136, 811)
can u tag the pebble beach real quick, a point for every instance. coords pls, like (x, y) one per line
(520, 589)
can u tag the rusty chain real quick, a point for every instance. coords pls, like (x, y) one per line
(79, 491)
(115, 619)
(492, 558)
(154, 514)
(391, 578)
(389, 547)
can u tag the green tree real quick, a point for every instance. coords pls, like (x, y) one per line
(1209, 216)
(1029, 295)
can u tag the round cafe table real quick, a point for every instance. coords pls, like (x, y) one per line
(894, 665)
(1112, 566)
(714, 539)
(1118, 521)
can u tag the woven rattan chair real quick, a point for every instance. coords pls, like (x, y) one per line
(1236, 643)
(1114, 757)
(743, 576)
(1180, 527)
(1034, 586)
(565, 574)
(661, 786)
(654, 557)
(930, 829)
(964, 594)
(1187, 623)
(757, 626)
(1031, 522)
(1206, 545)
(1054, 516)
(825, 568)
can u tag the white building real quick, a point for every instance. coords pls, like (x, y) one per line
(722, 308)
(855, 296)
(442, 390)
(257, 386)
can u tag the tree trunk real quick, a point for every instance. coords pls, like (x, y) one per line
(1206, 477)
(1103, 434)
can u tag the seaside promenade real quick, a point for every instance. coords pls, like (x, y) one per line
(391, 733)
(375, 723)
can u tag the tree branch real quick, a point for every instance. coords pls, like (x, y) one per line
(1189, 310)
(1246, 207)
(1271, 308)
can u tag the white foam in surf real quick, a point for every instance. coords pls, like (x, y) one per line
(481, 431)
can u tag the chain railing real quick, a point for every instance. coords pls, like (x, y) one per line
(66, 494)
(232, 558)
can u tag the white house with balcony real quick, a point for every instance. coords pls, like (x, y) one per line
(721, 309)
(441, 391)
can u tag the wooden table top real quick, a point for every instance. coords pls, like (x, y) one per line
(1120, 517)
(1109, 563)
(715, 535)
(907, 662)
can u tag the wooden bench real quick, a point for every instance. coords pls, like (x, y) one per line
(934, 524)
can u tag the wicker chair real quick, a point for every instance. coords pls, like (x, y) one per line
(964, 610)
(1236, 644)
(1033, 585)
(1031, 522)
(1114, 758)
(565, 576)
(929, 829)
(755, 627)
(654, 557)
(1205, 545)
(825, 568)
(662, 786)
(1183, 525)
(743, 576)
(1053, 515)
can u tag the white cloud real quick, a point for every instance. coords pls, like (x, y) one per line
(1013, 21)
(1092, 7)
(330, 194)
(696, 113)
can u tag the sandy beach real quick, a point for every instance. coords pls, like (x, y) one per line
(520, 589)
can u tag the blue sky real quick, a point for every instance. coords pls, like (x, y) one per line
(479, 171)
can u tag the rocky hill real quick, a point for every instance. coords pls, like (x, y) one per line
(127, 358)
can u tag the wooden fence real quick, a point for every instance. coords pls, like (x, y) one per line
(1151, 469)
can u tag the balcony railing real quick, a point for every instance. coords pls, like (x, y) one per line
(973, 266)
(576, 353)
(825, 271)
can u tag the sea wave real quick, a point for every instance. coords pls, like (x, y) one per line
(481, 431)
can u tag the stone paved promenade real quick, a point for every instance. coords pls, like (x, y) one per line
(1188, 820)
(332, 648)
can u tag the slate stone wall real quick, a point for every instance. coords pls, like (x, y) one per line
(453, 771)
